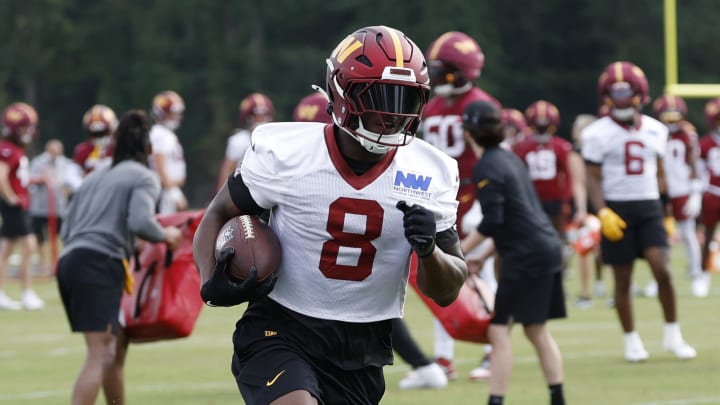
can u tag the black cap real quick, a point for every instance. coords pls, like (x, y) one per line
(481, 114)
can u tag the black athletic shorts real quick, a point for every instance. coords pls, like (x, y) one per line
(552, 208)
(529, 301)
(644, 230)
(40, 228)
(15, 221)
(277, 351)
(91, 286)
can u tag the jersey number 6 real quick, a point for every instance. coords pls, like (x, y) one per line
(634, 157)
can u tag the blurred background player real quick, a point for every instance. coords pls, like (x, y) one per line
(19, 127)
(254, 110)
(515, 126)
(624, 158)
(312, 108)
(684, 186)
(168, 159)
(52, 171)
(555, 173)
(99, 122)
(710, 158)
(584, 260)
(455, 61)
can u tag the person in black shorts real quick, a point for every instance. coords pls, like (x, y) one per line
(624, 153)
(112, 206)
(530, 289)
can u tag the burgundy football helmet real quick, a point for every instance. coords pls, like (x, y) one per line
(255, 109)
(19, 122)
(543, 115)
(377, 70)
(624, 87)
(513, 117)
(312, 108)
(670, 110)
(168, 108)
(712, 114)
(99, 120)
(515, 126)
(455, 60)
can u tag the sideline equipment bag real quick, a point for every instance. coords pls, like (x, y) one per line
(466, 319)
(165, 302)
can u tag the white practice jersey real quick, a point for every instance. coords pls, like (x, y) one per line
(237, 144)
(628, 157)
(344, 253)
(164, 141)
(677, 169)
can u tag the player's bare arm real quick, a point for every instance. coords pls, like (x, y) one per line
(6, 191)
(662, 184)
(441, 274)
(220, 210)
(594, 185)
(579, 186)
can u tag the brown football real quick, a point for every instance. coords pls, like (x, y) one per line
(255, 245)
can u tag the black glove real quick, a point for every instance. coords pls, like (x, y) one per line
(419, 225)
(223, 290)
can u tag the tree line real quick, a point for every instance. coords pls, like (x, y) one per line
(62, 56)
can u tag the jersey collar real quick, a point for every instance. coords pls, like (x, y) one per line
(356, 181)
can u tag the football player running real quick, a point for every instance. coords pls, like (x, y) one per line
(350, 202)
(624, 158)
(710, 157)
(455, 60)
(684, 186)
(254, 110)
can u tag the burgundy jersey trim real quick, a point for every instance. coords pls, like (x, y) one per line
(356, 181)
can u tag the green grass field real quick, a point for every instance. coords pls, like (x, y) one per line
(39, 357)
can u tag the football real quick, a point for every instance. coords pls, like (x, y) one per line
(255, 245)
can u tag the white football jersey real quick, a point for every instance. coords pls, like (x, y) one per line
(237, 144)
(344, 252)
(628, 157)
(677, 169)
(164, 141)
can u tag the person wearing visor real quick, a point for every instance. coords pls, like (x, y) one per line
(684, 186)
(349, 203)
(455, 61)
(624, 153)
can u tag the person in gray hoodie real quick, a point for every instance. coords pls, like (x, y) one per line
(111, 208)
